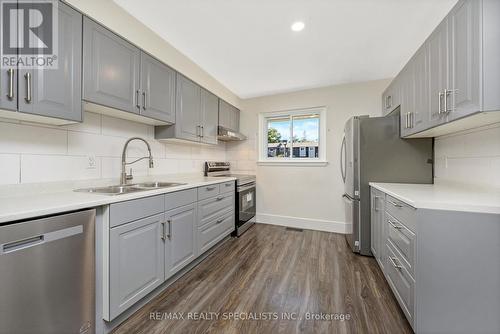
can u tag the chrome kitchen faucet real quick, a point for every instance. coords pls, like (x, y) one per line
(124, 177)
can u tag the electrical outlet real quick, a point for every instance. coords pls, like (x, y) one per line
(91, 162)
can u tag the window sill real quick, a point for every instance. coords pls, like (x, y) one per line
(318, 163)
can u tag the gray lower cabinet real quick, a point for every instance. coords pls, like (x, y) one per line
(55, 94)
(151, 239)
(111, 69)
(439, 265)
(136, 262)
(180, 248)
(157, 89)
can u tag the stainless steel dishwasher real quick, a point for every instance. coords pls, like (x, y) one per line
(47, 275)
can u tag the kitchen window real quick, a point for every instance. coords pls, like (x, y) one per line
(293, 137)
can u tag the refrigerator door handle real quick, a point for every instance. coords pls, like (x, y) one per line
(343, 160)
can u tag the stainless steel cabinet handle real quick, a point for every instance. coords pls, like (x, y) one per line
(393, 262)
(137, 104)
(411, 119)
(397, 227)
(202, 131)
(440, 103)
(27, 76)
(169, 235)
(163, 231)
(375, 198)
(220, 198)
(445, 96)
(395, 204)
(144, 100)
(210, 188)
(10, 94)
(219, 221)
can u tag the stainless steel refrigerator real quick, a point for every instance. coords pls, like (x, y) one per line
(372, 151)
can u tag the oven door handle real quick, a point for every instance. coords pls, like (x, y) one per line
(246, 187)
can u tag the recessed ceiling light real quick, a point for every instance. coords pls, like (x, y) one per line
(298, 26)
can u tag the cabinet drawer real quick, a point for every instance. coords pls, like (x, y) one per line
(180, 198)
(124, 212)
(208, 191)
(226, 187)
(212, 208)
(400, 281)
(215, 231)
(401, 211)
(403, 239)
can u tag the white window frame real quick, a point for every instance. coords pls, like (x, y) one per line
(290, 161)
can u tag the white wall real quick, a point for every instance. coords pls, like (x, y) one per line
(304, 196)
(32, 152)
(469, 157)
(118, 20)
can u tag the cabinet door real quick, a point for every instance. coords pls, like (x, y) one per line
(225, 110)
(136, 261)
(407, 83)
(438, 74)
(180, 247)
(188, 109)
(374, 238)
(8, 78)
(110, 69)
(235, 119)
(210, 117)
(158, 89)
(465, 44)
(57, 92)
(421, 82)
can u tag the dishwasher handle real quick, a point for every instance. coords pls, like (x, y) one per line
(22, 244)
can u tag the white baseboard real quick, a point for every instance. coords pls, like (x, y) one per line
(304, 223)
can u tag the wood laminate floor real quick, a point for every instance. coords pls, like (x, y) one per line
(270, 273)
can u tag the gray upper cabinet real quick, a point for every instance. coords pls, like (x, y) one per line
(210, 117)
(158, 89)
(111, 68)
(455, 73)
(465, 45)
(188, 109)
(391, 98)
(180, 249)
(196, 114)
(57, 92)
(229, 116)
(136, 262)
(438, 78)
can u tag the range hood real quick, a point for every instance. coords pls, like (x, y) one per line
(225, 134)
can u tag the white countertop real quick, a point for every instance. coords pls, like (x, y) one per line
(452, 197)
(25, 201)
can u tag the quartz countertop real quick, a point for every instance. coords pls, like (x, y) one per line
(446, 196)
(29, 201)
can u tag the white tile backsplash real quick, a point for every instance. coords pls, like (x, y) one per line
(32, 153)
(469, 157)
(9, 168)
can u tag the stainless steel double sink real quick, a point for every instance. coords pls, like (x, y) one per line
(130, 188)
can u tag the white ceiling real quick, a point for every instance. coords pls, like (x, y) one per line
(248, 46)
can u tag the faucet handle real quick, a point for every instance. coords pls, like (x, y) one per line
(129, 176)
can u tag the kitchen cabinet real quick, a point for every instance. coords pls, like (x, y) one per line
(229, 116)
(391, 98)
(455, 74)
(464, 43)
(180, 247)
(111, 69)
(407, 89)
(136, 262)
(377, 225)
(49, 95)
(196, 114)
(158, 89)
(209, 117)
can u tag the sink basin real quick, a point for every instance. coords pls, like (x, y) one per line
(129, 188)
(111, 190)
(157, 185)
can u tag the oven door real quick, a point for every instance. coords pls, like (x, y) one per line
(246, 203)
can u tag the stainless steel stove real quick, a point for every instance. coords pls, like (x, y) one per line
(245, 193)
